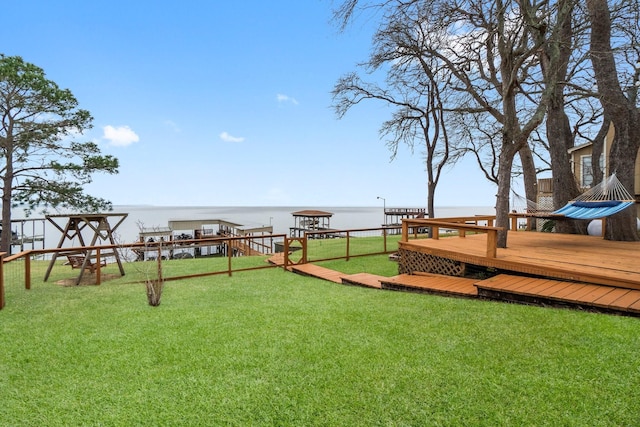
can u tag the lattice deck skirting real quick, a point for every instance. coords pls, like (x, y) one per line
(411, 261)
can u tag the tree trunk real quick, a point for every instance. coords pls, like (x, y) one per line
(554, 63)
(5, 238)
(623, 226)
(431, 192)
(622, 112)
(529, 177)
(597, 149)
(505, 164)
(7, 184)
(565, 187)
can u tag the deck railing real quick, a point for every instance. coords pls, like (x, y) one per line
(461, 225)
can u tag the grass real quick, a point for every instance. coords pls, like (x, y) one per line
(273, 348)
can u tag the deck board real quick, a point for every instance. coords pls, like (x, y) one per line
(618, 300)
(363, 279)
(447, 285)
(628, 299)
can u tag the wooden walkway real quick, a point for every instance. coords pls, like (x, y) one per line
(503, 287)
(580, 272)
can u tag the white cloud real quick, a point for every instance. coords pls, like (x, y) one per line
(173, 125)
(285, 98)
(230, 138)
(120, 136)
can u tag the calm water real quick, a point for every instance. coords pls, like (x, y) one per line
(279, 217)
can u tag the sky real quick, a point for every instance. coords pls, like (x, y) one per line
(220, 103)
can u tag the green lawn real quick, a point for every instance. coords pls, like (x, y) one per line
(269, 347)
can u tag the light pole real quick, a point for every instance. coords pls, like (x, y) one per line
(384, 209)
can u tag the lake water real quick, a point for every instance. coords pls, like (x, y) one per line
(279, 217)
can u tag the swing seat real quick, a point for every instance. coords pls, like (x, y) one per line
(78, 261)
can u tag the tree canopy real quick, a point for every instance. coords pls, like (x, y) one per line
(512, 66)
(42, 163)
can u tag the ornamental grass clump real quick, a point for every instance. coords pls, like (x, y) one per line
(150, 271)
(155, 286)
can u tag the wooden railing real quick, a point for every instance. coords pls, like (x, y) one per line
(100, 253)
(349, 236)
(460, 224)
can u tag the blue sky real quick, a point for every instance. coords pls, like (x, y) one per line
(219, 103)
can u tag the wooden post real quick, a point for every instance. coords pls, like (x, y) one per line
(27, 271)
(348, 240)
(492, 243)
(98, 274)
(229, 254)
(285, 253)
(384, 239)
(405, 231)
(2, 301)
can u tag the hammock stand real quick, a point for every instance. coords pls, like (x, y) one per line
(605, 199)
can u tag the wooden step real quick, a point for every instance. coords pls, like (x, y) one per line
(562, 293)
(432, 283)
(364, 279)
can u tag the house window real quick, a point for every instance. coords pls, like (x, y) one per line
(586, 178)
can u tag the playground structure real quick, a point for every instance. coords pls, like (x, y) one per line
(78, 228)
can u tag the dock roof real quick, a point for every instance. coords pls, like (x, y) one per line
(312, 213)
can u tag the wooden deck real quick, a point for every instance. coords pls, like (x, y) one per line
(586, 259)
(581, 272)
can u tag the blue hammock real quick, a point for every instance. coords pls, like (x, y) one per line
(605, 199)
(593, 210)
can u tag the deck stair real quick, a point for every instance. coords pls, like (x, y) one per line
(540, 291)
(432, 283)
(502, 287)
(367, 280)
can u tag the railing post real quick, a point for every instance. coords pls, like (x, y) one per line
(285, 253)
(2, 301)
(384, 239)
(492, 243)
(348, 240)
(98, 273)
(229, 253)
(27, 271)
(405, 231)
(305, 254)
(514, 222)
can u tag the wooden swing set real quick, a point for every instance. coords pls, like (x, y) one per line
(86, 257)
